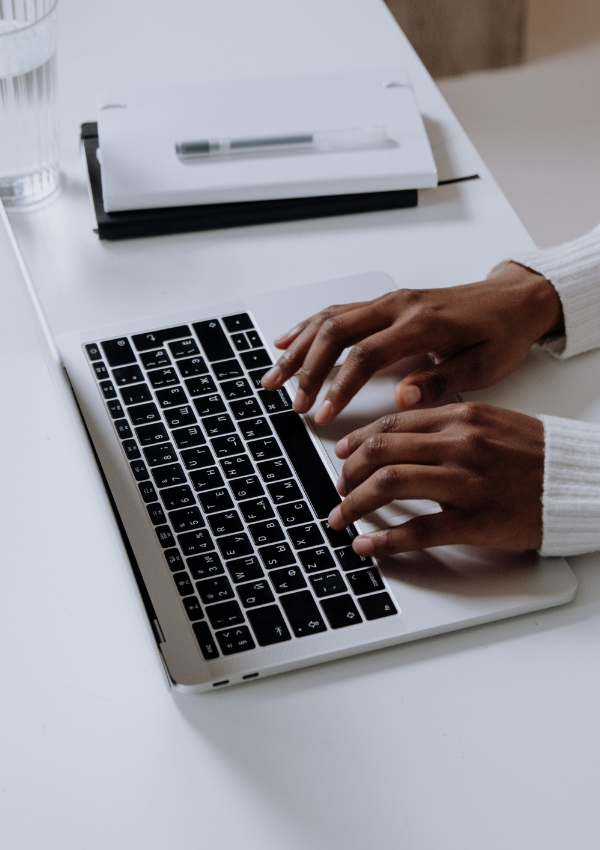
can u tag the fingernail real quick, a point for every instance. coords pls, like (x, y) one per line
(273, 376)
(410, 396)
(325, 413)
(301, 402)
(341, 487)
(341, 448)
(287, 334)
(363, 545)
(335, 518)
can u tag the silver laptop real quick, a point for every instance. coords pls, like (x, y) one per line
(223, 494)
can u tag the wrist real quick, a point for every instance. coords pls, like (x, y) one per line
(540, 300)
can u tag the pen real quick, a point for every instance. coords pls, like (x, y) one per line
(356, 137)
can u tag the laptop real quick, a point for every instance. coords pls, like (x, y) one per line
(222, 492)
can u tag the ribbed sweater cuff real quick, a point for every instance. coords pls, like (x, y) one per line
(574, 271)
(571, 498)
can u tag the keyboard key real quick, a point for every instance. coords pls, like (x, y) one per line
(215, 589)
(264, 449)
(235, 640)
(235, 467)
(163, 377)
(187, 438)
(154, 359)
(183, 583)
(165, 538)
(93, 352)
(143, 414)
(184, 348)
(128, 375)
(256, 358)
(246, 488)
(275, 401)
(143, 342)
(240, 342)
(303, 614)
(148, 435)
(140, 471)
(167, 476)
(174, 559)
(186, 519)
(256, 377)
(285, 491)
(287, 579)
(193, 609)
(378, 605)
(156, 513)
(256, 509)
(266, 532)
(100, 370)
(206, 479)
(254, 428)
(205, 566)
(315, 560)
(274, 470)
(246, 408)
(130, 447)
(178, 497)
(277, 555)
(365, 581)
(216, 500)
(239, 322)
(341, 611)
(231, 445)
(208, 405)
(235, 546)
(255, 593)
(225, 614)
(269, 626)
(123, 429)
(254, 339)
(202, 385)
(215, 426)
(328, 584)
(115, 409)
(118, 352)
(228, 369)
(173, 397)
(157, 455)
(108, 391)
(195, 542)
(191, 367)
(236, 389)
(148, 492)
(213, 340)
(349, 560)
(197, 458)
(245, 569)
(180, 416)
(207, 645)
(227, 522)
(339, 538)
(295, 513)
(303, 536)
(136, 394)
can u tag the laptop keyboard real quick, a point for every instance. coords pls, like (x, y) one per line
(234, 487)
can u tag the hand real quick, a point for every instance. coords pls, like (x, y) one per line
(477, 334)
(482, 464)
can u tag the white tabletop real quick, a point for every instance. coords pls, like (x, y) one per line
(486, 738)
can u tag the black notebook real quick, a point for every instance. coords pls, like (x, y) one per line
(132, 224)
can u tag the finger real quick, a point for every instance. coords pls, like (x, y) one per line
(447, 528)
(284, 339)
(386, 450)
(404, 481)
(468, 370)
(415, 421)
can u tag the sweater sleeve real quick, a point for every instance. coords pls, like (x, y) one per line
(574, 271)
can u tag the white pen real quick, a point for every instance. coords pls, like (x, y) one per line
(355, 137)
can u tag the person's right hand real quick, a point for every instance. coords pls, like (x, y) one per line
(477, 334)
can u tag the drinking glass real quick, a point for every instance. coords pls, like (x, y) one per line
(28, 119)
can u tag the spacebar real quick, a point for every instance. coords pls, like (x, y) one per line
(307, 463)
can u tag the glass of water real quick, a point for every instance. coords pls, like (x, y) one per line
(28, 118)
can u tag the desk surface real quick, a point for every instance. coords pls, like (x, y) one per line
(484, 738)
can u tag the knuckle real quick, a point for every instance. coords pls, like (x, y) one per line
(375, 446)
(362, 355)
(435, 384)
(422, 531)
(332, 327)
(388, 480)
(387, 424)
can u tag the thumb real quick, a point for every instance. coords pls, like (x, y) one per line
(464, 371)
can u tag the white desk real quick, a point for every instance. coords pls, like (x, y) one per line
(487, 738)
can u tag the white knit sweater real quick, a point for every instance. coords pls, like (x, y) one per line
(571, 498)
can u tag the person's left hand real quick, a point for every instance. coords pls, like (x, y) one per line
(482, 464)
